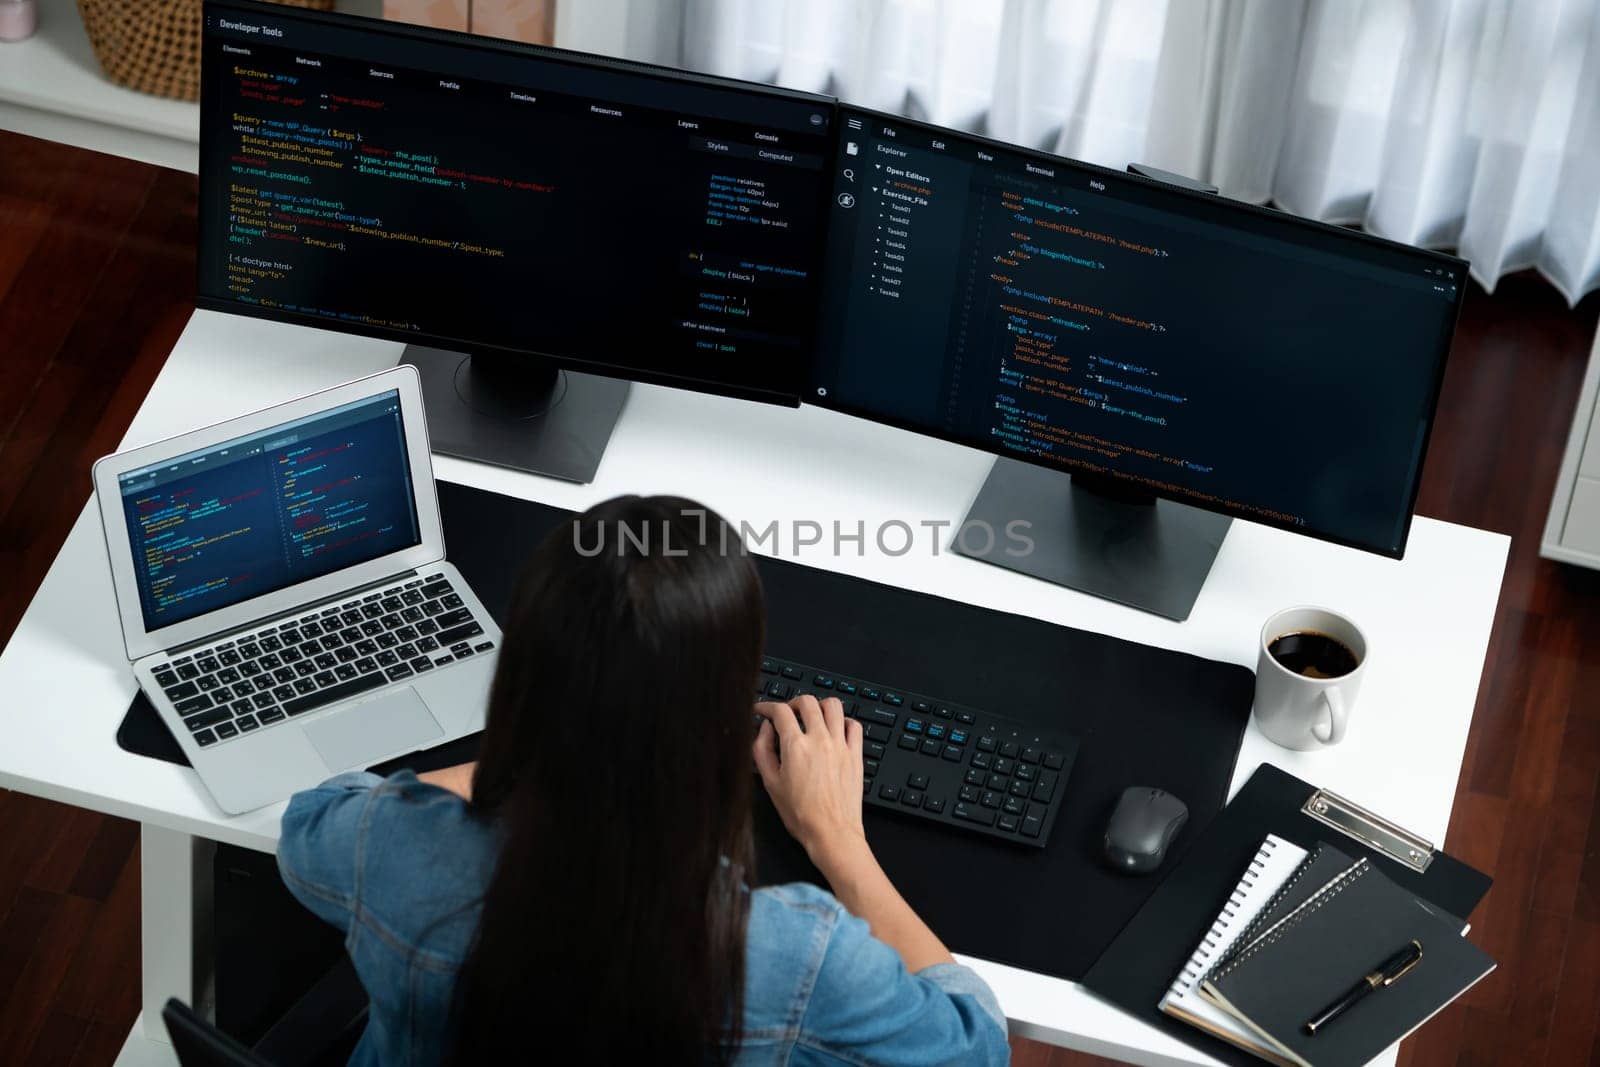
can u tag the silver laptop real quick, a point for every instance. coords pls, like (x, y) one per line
(284, 595)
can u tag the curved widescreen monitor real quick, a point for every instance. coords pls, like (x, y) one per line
(1207, 351)
(490, 197)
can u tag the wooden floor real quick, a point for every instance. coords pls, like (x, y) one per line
(96, 282)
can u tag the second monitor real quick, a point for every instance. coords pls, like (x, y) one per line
(1183, 357)
(529, 208)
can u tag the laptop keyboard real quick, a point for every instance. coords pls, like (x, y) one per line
(258, 680)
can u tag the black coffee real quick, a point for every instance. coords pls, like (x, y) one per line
(1313, 654)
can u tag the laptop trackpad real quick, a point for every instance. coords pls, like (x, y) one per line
(397, 721)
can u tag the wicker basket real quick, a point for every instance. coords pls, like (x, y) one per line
(153, 45)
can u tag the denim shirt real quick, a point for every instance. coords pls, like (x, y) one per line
(401, 866)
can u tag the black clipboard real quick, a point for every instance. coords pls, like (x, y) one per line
(1138, 968)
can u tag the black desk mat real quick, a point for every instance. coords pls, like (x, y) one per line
(1145, 716)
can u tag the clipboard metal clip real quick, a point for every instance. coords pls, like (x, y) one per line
(1374, 831)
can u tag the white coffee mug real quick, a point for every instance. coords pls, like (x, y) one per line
(1301, 712)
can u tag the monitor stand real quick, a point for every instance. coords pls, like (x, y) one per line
(1093, 535)
(517, 411)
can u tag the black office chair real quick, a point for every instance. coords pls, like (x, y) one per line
(322, 1028)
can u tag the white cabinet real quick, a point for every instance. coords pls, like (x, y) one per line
(1572, 533)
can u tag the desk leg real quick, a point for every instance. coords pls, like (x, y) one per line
(175, 923)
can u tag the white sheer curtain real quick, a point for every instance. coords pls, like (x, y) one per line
(1466, 124)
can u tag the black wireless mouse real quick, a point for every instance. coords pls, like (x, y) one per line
(1144, 823)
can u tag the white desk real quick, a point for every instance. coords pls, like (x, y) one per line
(67, 683)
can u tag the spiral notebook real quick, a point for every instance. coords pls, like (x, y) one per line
(1273, 868)
(1313, 954)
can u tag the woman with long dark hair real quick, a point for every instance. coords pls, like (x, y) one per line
(581, 894)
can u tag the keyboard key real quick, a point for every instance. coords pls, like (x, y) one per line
(1046, 787)
(204, 738)
(922, 707)
(975, 777)
(208, 664)
(207, 682)
(188, 670)
(1031, 825)
(406, 651)
(933, 804)
(193, 704)
(932, 748)
(1013, 806)
(458, 633)
(227, 676)
(990, 799)
(911, 798)
(372, 628)
(917, 781)
(958, 737)
(768, 667)
(436, 587)
(982, 760)
(333, 694)
(440, 661)
(407, 633)
(1009, 749)
(1030, 755)
(987, 743)
(952, 753)
(980, 816)
(304, 669)
(262, 701)
(869, 767)
(345, 671)
(244, 688)
(366, 664)
(879, 732)
(166, 679)
(202, 720)
(302, 686)
(889, 792)
(324, 679)
(290, 636)
(247, 723)
(1027, 773)
(391, 603)
(998, 781)
(398, 672)
(868, 693)
(182, 691)
(285, 675)
(411, 596)
(331, 642)
(427, 626)
(271, 643)
(226, 730)
(907, 741)
(483, 646)
(913, 726)
(847, 688)
(970, 794)
(270, 716)
(222, 694)
(326, 661)
(1053, 760)
(426, 644)
(883, 715)
(935, 731)
(822, 681)
(1008, 823)
(788, 672)
(1003, 765)
(874, 750)
(241, 707)
(943, 713)
(461, 615)
(966, 718)
(386, 640)
(893, 699)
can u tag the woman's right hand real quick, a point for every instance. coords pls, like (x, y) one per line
(809, 756)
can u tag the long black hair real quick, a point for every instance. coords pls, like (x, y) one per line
(616, 764)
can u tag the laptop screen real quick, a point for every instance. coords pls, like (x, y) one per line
(255, 514)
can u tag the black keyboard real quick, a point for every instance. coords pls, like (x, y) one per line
(941, 761)
(276, 672)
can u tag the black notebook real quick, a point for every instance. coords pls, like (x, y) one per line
(1282, 971)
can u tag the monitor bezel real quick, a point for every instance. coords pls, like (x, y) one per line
(466, 346)
(1210, 201)
(141, 641)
